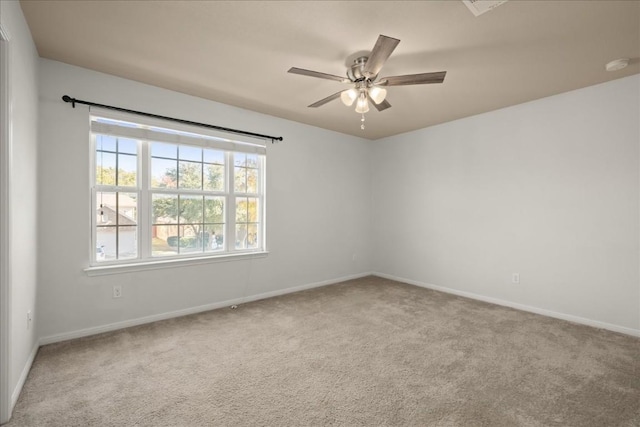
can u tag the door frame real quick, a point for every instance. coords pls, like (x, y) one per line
(5, 226)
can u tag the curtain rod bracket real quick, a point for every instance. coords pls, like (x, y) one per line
(73, 101)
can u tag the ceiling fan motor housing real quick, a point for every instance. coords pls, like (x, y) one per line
(355, 72)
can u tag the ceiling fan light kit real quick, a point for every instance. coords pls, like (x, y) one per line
(377, 94)
(349, 96)
(363, 75)
(362, 106)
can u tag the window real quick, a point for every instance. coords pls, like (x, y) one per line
(170, 192)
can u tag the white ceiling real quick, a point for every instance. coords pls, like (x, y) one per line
(238, 52)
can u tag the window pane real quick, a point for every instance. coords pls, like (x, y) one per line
(239, 159)
(252, 160)
(105, 142)
(252, 236)
(252, 181)
(127, 208)
(214, 238)
(106, 243)
(164, 240)
(240, 180)
(105, 168)
(241, 236)
(241, 209)
(190, 209)
(191, 238)
(190, 175)
(252, 210)
(127, 146)
(127, 167)
(186, 152)
(165, 209)
(164, 173)
(105, 209)
(214, 210)
(213, 156)
(159, 149)
(127, 242)
(213, 177)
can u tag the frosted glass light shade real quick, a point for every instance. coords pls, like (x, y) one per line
(377, 94)
(348, 96)
(362, 106)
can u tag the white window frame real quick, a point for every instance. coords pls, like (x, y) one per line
(147, 132)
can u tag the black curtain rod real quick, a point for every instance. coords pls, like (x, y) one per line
(74, 101)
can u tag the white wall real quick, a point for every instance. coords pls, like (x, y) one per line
(318, 193)
(548, 189)
(23, 92)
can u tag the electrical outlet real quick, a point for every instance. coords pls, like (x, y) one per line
(117, 291)
(29, 319)
(515, 278)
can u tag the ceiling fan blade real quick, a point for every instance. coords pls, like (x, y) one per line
(325, 100)
(379, 55)
(382, 106)
(303, 72)
(413, 79)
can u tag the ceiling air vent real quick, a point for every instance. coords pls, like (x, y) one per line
(478, 7)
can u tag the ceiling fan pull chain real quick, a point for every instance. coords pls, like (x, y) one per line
(362, 120)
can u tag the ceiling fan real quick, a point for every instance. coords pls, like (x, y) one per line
(363, 76)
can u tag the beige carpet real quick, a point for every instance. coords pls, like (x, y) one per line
(367, 352)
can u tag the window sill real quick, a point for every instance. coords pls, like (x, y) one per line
(101, 270)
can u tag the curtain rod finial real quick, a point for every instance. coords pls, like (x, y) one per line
(67, 98)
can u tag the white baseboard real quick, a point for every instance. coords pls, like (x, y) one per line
(192, 310)
(536, 310)
(23, 376)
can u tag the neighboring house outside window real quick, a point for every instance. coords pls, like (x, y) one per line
(172, 192)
